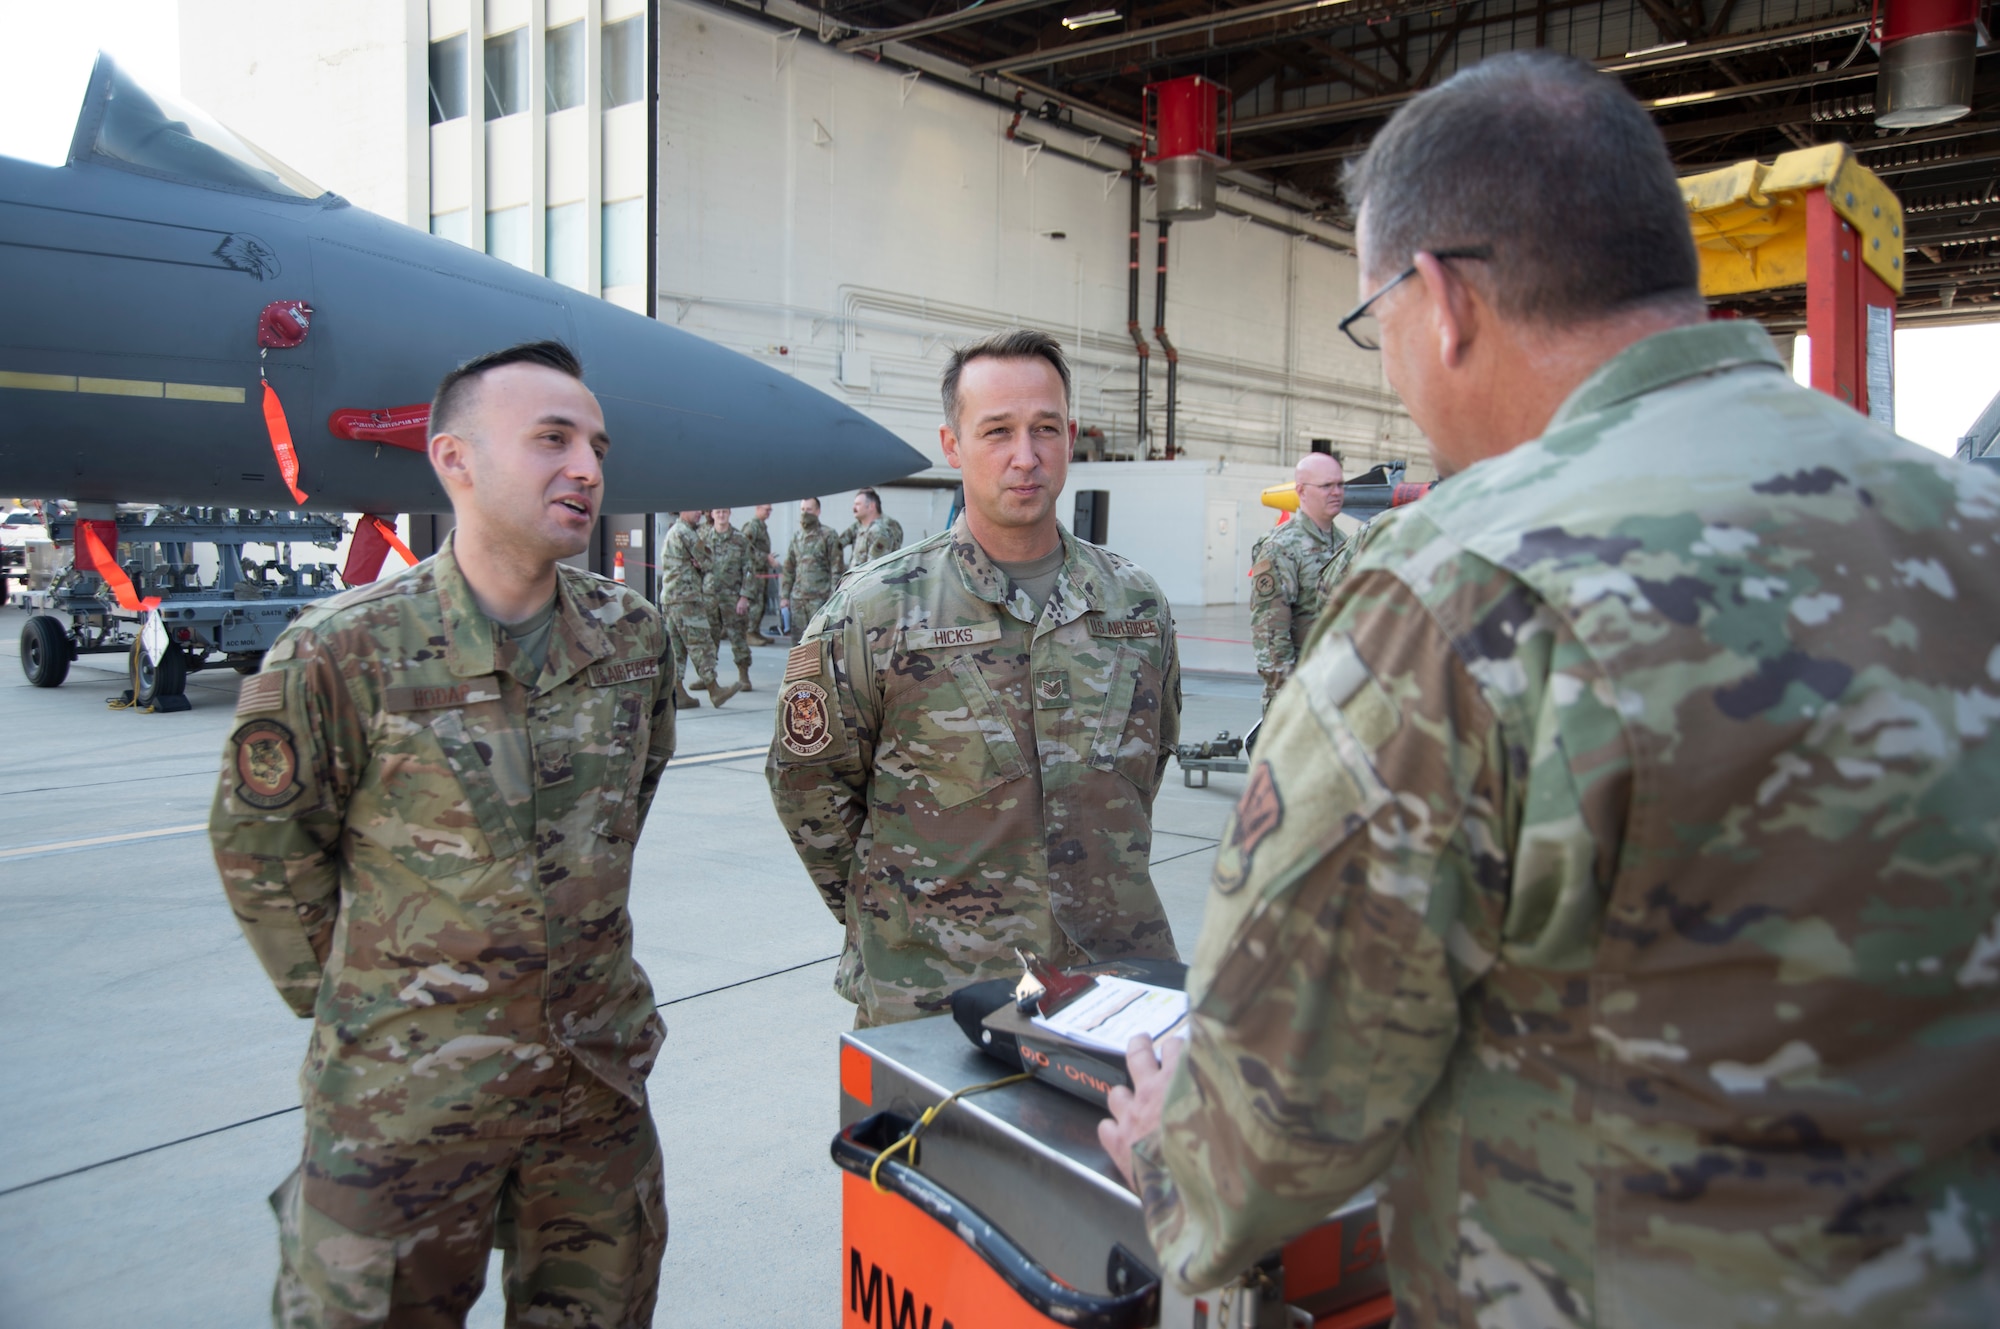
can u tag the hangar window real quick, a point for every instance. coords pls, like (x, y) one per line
(568, 256)
(507, 74)
(448, 79)
(624, 61)
(565, 53)
(450, 226)
(507, 236)
(625, 243)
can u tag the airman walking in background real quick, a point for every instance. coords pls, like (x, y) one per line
(1285, 565)
(969, 740)
(757, 533)
(683, 577)
(812, 568)
(730, 584)
(872, 534)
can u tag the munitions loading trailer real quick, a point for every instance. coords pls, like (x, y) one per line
(231, 622)
(1221, 753)
(1010, 1214)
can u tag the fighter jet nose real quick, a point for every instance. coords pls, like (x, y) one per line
(696, 425)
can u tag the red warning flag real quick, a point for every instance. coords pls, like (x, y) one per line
(373, 539)
(281, 442)
(96, 548)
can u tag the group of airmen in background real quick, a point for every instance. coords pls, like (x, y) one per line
(716, 582)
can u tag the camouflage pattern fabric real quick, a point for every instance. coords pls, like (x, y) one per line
(1285, 567)
(1617, 877)
(758, 536)
(963, 772)
(374, 1234)
(812, 564)
(868, 543)
(431, 856)
(804, 610)
(684, 564)
(695, 627)
(1330, 577)
(731, 575)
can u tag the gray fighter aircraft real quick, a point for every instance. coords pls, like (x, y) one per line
(148, 285)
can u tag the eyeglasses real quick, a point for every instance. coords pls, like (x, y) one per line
(1361, 327)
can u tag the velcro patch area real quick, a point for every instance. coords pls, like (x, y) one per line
(803, 662)
(261, 694)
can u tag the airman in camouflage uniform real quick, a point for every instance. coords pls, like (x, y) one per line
(684, 573)
(812, 568)
(1285, 567)
(731, 585)
(757, 533)
(1005, 758)
(966, 768)
(425, 826)
(1617, 875)
(872, 535)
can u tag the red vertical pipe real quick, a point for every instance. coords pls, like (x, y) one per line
(1132, 311)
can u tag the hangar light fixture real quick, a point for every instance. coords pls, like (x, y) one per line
(1090, 20)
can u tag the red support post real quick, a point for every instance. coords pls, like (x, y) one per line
(1841, 292)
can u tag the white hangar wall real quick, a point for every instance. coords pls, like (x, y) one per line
(851, 224)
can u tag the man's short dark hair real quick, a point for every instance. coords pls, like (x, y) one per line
(872, 497)
(1021, 344)
(1552, 165)
(455, 393)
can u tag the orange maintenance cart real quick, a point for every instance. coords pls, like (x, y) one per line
(1010, 1216)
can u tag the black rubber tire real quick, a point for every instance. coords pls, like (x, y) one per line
(168, 678)
(247, 666)
(45, 653)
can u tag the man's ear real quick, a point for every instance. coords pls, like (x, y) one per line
(949, 442)
(451, 458)
(1454, 309)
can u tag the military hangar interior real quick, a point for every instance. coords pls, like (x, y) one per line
(821, 177)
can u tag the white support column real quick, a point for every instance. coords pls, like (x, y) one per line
(417, 117)
(538, 136)
(475, 123)
(593, 148)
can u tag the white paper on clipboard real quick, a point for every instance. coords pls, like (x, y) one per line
(1111, 1013)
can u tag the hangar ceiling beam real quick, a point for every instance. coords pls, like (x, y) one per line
(924, 27)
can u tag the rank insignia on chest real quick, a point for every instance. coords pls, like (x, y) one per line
(267, 765)
(1051, 690)
(805, 721)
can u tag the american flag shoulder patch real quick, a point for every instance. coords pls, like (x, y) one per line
(803, 662)
(261, 693)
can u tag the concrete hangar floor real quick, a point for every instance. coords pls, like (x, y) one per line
(150, 1100)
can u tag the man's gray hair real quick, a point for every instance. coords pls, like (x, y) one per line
(1549, 163)
(1021, 344)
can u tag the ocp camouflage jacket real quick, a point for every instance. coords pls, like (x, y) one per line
(431, 858)
(963, 772)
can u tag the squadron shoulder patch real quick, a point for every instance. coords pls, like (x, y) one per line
(1264, 580)
(803, 662)
(1260, 812)
(805, 721)
(267, 765)
(261, 693)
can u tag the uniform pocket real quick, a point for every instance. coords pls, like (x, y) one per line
(434, 808)
(1129, 739)
(958, 742)
(327, 1274)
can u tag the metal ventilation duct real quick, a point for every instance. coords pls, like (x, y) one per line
(1927, 55)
